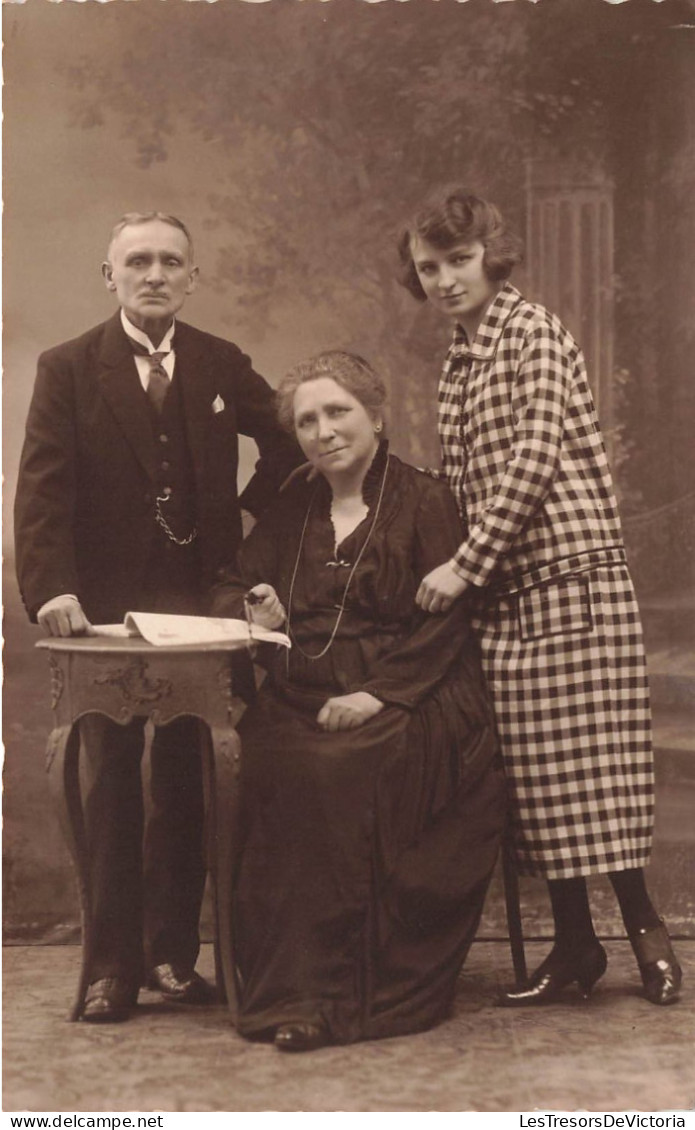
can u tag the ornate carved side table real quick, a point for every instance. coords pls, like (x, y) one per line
(129, 678)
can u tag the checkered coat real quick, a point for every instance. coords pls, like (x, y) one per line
(555, 610)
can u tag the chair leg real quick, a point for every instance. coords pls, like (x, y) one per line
(513, 907)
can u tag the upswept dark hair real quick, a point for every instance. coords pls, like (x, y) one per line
(132, 219)
(348, 370)
(451, 215)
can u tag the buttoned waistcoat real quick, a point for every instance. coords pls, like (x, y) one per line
(84, 512)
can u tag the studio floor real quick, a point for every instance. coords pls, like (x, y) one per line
(614, 1052)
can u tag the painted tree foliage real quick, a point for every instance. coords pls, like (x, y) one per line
(335, 118)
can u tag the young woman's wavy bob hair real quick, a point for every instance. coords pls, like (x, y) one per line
(449, 216)
(348, 370)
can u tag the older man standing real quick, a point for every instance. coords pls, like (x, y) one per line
(127, 499)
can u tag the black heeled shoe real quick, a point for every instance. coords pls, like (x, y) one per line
(559, 970)
(300, 1037)
(661, 974)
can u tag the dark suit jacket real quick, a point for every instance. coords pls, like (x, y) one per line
(84, 512)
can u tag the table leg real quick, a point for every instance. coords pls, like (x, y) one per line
(224, 791)
(62, 766)
(211, 850)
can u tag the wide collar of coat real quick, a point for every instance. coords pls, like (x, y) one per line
(486, 340)
(122, 390)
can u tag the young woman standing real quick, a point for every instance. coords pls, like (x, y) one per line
(555, 608)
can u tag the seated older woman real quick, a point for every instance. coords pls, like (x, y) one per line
(372, 797)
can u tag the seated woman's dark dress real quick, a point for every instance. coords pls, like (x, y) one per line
(366, 853)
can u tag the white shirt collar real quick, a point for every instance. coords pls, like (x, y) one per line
(142, 338)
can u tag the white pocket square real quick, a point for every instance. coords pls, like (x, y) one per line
(218, 404)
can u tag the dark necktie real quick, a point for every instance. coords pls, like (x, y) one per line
(158, 383)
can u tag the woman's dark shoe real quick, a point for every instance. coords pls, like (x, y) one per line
(661, 973)
(560, 968)
(300, 1037)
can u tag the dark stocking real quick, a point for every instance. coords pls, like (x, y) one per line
(571, 914)
(577, 955)
(635, 904)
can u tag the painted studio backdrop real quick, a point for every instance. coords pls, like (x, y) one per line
(292, 136)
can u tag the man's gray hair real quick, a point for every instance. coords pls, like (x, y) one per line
(130, 219)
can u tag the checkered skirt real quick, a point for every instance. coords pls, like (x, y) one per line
(565, 664)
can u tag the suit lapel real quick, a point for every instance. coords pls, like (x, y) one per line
(122, 391)
(196, 374)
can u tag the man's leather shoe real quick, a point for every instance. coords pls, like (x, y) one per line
(108, 1001)
(183, 987)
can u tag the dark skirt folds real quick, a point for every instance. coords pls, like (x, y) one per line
(365, 861)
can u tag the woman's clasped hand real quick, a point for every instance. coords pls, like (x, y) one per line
(347, 711)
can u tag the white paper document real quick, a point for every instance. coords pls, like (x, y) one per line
(164, 630)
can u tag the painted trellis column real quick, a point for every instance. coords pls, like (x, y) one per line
(569, 247)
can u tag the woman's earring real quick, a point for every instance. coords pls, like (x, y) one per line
(377, 428)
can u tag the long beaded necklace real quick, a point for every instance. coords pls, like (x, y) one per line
(341, 609)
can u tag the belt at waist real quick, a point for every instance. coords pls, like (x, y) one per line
(566, 566)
